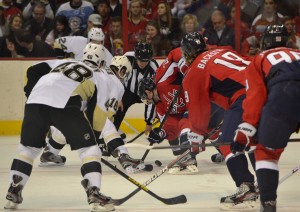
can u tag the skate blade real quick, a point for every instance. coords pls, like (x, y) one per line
(246, 205)
(11, 205)
(48, 164)
(189, 170)
(97, 207)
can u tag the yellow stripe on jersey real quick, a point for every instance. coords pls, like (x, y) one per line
(85, 89)
(99, 119)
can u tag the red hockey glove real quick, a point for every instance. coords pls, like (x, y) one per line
(157, 135)
(243, 138)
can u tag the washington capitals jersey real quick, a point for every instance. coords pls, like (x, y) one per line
(168, 81)
(214, 76)
(268, 68)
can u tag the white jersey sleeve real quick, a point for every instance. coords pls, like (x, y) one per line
(72, 44)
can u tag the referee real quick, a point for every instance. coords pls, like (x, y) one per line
(143, 66)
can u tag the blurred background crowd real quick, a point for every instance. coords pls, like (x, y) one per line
(35, 24)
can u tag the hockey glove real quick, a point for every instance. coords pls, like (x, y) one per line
(243, 138)
(157, 135)
(188, 137)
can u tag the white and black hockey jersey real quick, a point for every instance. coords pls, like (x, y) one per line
(133, 79)
(80, 79)
(76, 45)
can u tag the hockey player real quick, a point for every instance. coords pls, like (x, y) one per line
(58, 99)
(142, 66)
(168, 80)
(271, 108)
(218, 76)
(75, 45)
(109, 133)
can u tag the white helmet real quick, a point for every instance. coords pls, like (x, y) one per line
(94, 53)
(121, 66)
(96, 34)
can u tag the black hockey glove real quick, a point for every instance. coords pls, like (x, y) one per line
(157, 135)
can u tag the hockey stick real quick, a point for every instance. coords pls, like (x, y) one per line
(141, 133)
(168, 201)
(289, 174)
(164, 119)
(159, 173)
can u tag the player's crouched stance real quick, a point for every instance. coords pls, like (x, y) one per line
(57, 100)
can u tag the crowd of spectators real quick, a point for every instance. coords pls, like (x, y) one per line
(28, 28)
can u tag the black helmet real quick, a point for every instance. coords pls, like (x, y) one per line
(191, 45)
(143, 51)
(145, 84)
(274, 36)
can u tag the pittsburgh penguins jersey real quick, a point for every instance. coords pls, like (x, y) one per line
(76, 45)
(84, 80)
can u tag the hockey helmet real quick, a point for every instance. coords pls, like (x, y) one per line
(94, 53)
(121, 66)
(274, 36)
(192, 45)
(145, 84)
(96, 34)
(143, 51)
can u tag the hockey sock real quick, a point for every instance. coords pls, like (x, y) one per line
(55, 147)
(238, 168)
(268, 182)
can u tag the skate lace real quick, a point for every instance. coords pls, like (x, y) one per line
(240, 191)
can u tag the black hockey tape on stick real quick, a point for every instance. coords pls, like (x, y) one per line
(162, 171)
(296, 169)
(169, 201)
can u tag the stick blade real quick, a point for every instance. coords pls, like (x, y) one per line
(175, 200)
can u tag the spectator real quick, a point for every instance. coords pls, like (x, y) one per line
(3, 25)
(77, 13)
(168, 25)
(160, 43)
(39, 24)
(136, 24)
(220, 34)
(182, 6)
(293, 39)
(103, 9)
(251, 45)
(189, 24)
(269, 16)
(115, 36)
(245, 28)
(6, 42)
(9, 9)
(33, 46)
(61, 28)
(149, 9)
(95, 20)
(28, 9)
(115, 8)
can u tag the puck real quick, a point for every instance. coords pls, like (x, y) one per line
(148, 167)
(158, 163)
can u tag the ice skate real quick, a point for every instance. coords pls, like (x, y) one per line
(49, 159)
(14, 194)
(96, 200)
(268, 206)
(244, 199)
(217, 158)
(187, 166)
(133, 165)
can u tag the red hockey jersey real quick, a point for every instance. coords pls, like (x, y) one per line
(217, 75)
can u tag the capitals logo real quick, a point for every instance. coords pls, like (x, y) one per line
(178, 104)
